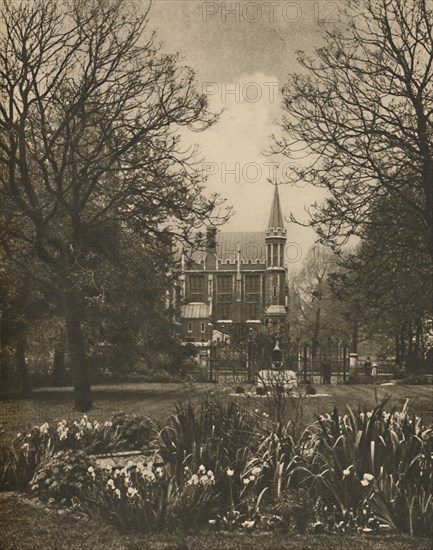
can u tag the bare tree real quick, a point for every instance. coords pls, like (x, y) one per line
(361, 116)
(310, 292)
(89, 125)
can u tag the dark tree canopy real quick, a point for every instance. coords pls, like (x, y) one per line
(360, 116)
(89, 141)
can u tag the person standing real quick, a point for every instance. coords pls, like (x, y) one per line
(326, 370)
(368, 370)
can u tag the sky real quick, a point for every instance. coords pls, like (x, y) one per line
(242, 52)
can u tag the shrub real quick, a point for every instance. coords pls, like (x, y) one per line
(297, 509)
(418, 379)
(18, 461)
(62, 476)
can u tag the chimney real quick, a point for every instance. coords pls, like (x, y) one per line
(211, 242)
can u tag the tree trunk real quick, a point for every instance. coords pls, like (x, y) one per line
(4, 356)
(398, 359)
(316, 334)
(5, 363)
(355, 337)
(20, 352)
(403, 345)
(83, 395)
(59, 368)
(4, 366)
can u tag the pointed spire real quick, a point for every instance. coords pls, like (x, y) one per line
(276, 217)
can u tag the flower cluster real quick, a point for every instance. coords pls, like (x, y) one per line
(202, 477)
(365, 481)
(251, 476)
(127, 480)
(62, 430)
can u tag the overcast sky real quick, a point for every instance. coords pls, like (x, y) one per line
(242, 52)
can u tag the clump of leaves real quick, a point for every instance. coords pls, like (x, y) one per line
(62, 476)
(296, 507)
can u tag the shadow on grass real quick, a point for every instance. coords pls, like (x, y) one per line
(29, 525)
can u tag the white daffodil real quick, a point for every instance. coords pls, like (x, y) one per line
(131, 492)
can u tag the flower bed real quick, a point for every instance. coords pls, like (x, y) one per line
(223, 466)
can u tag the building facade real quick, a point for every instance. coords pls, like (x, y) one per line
(239, 280)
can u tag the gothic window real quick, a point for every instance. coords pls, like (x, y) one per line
(225, 289)
(276, 255)
(197, 288)
(225, 284)
(252, 289)
(252, 283)
(225, 311)
(253, 311)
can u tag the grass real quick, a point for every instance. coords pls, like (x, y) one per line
(158, 400)
(28, 525)
(54, 404)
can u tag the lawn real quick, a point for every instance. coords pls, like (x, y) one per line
(29, 525)
(158, 400)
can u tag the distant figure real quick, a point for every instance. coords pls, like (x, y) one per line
(368, 370)
(326, 371)
(277, 357)
(374, 372)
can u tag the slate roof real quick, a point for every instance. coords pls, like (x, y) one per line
(250, 243)
(276, 217)
(195, 310)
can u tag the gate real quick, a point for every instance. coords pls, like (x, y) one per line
(331, 361)
(229, 364)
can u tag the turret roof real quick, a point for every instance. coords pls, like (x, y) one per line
(276, 218)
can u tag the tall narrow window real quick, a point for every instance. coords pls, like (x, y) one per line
(202, 327)
(275, 254)
(197, 288)
(189, 327)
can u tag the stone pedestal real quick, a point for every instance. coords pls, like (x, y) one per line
(353, 368)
